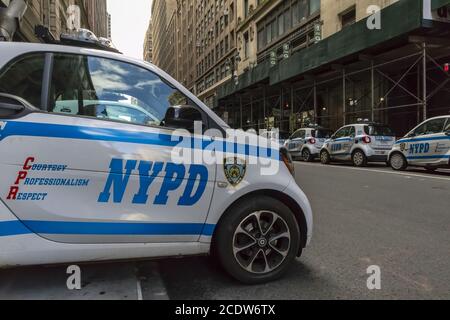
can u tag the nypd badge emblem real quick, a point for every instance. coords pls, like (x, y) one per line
(235, 170)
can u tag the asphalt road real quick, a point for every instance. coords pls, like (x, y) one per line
(363, 217)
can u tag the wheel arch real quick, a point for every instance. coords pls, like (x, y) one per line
(287, 200)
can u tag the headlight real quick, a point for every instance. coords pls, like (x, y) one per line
(287, 159)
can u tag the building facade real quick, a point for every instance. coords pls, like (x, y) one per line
(164, 30)
(97, 16)
(333, 62)
(148, 43)
(215, 38)
(203, 32)
(54, 15)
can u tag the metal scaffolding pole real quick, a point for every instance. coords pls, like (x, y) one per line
(372, 89)
(425, 98)
(316, 113)
(344, 100)
(292, 110)
(240, 106)
(264, 109)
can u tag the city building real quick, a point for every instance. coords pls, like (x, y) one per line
(185, 42)
(164, 35)
(54, 15)
(333, 62)
(148, 44)
(203, 32)
(97, 16)
(215, 38)
(109, 36)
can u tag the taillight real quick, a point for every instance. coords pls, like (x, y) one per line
(312, 141)
(367, 139)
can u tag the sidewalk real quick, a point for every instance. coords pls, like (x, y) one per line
(111, 281)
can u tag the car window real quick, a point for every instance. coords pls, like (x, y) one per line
(342, 133)
(378, 131)
(447, 127)
(109, 89)
(351, 132)
(298, 134)
(431, 127)
(322, 134)
(23, 78)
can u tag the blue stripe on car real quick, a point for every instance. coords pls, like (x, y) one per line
(422, 139)
(429, 157)
(48, 130)
(11, 228)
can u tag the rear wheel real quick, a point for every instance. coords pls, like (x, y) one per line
(398, 162)
(258, 240)
(359, 159)
(325, 157)
(306, 155)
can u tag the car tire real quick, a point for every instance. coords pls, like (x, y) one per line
(246, 251)
(359, 159)
(325, 157)
(398, 162)
(307, 156)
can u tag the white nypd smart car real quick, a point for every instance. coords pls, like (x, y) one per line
(81, 182)
(427, 145)
(306, 143)
(359, 143)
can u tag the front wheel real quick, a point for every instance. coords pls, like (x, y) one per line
(258, 240)
(398, 162)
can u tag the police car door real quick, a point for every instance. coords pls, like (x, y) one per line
(428, 143)
(75, 175)
(297, 142)
(339, 143)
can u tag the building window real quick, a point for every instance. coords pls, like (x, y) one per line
(246, 45)
(246, 9)
(348, 18)
(314, 6)
(261, 39)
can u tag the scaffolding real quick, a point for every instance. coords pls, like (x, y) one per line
(400, 87)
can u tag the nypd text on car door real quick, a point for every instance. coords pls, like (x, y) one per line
(341, 142)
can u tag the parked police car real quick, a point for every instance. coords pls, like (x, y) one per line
(81, 186)
(306, 143)
(360, 143)
(427, 145)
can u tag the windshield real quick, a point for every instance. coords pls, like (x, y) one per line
(379, 131)
(322, 134)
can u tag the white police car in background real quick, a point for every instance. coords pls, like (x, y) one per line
(81, 187)
(427, 145)
(360, 143)
(306, 143)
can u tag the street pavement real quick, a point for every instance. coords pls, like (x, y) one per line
(363, 217)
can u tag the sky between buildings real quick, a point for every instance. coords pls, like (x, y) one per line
(129, 24)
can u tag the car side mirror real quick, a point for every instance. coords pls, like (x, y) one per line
(333, 137)
(411, 135)
(11, 106)
(183, 117)
(447, 133)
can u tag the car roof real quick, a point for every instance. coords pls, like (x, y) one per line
(12, 50)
